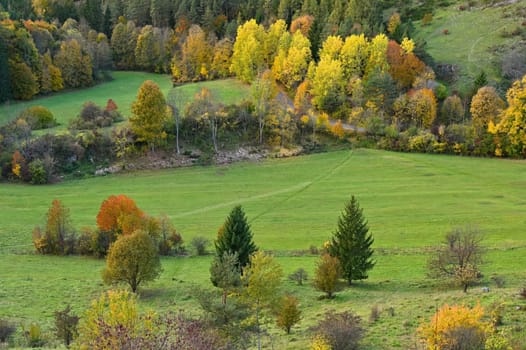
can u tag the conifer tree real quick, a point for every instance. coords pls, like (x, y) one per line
(351, 243)
(235, 236)
(5, 87)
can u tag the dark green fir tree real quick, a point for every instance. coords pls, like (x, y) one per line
(235, 236)
(351, 243)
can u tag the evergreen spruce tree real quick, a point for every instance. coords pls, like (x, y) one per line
(235, 237)
(351, 243)
(5, 87)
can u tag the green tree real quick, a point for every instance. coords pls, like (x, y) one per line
(148, 49)
(235, 236)
(289, 313)
(225, 273)
(149, 114)
(133, 260)
(262, 278)
(51, 79)
(452, 111)
(24, 84)
(123, 44)
(5, 86)
(351, 243)
(328, 272)
(75, 65)
(92, 12)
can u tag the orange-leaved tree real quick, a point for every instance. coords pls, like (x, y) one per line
(119, 215)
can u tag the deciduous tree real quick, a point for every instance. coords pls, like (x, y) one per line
(459, 257)
(486, 107)
(351, 243)
(57, 239)
(289, 313)
(248, 57)
(262, 278)
(132, 259)
(75, 65)
(24, 84)
(513, 121)
(452, 111)
(328, 272)
(120, 215)
(149, 114)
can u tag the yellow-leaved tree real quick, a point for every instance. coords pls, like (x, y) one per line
(248, 54)
(511, 129)
(149, 114)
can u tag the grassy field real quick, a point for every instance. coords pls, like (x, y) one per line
(123, 90)
(410, 201)
(473, 37)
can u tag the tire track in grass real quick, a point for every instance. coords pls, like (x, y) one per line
(299, 186)
(321, 177)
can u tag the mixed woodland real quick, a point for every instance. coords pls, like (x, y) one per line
(320, 73)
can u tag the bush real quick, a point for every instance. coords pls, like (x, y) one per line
(456, 327)
(6, 330)
(38, 117)
(66, 325)
(423, 143)
(101, 242)
(342, 331)
(34, 336)
(92, 116)
(85, 244)
(38, 172)
(299, 276)
(200, 244)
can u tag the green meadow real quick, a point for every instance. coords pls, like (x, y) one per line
(410, 200)
(123, 90)
(475, 38)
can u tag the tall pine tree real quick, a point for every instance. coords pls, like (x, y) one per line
(235, 236)
(5, 87)
(351, 243)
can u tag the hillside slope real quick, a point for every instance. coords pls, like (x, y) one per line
(478, 38)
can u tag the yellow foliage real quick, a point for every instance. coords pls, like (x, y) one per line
(322, 121)
(408, 45)
(320, 343)
(511, 131)
(305, 119)
(394, 22)
(331, 48)
(115, 309)
(437, 333)
(337, 130)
